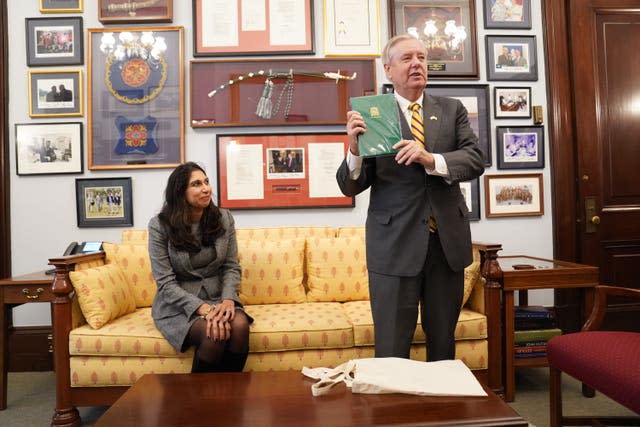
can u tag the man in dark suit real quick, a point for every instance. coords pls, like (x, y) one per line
(414, 264)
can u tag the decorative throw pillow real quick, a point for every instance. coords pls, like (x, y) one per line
(471, 276)
(337, 269)
(272, 271)
(103, 294)
(133, 260)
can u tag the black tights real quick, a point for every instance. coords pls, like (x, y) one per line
(221, 356)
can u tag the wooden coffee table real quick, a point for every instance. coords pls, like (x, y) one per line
(284, 399)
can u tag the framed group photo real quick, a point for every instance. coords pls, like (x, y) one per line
(48, 148)
(104, 202)
(448, 30)
(352, 27)
(511, 58)
(268, 171)
(54, 93)
(54, 41)
(520, 147)
(61, 6)
(508, 14)
(274, 27)
(512, 102)
(513, 195)
(136, 98)
(127, 12)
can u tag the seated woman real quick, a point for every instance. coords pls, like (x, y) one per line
(193, 250)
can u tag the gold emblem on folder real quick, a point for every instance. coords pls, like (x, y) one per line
(373, 111)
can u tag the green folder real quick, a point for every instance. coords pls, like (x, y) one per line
(382, 119)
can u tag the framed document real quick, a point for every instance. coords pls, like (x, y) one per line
(252, 27)
(351, 27)
(136, 111)
(448, 30)
(293, 170)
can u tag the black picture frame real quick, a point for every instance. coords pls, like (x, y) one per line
(54, 41)
(517, 16)
(512, 102)
(49, 148)
(520, 147)
(503, 65)
(93, 207)
(471, 193)
(67, 101)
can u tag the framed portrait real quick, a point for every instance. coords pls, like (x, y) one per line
(470, 191)
(273, 27)
(54, 41)
(512, 102)
(520, 147)
(61, 6)
(48, 148)
(292, 170)
(511, 58)
(352, 27)
(54, 93)
(278, 92)
(448, 30)
(127, 11)
(104, 202)
(513, 195)
(136, 98)
(512, 14)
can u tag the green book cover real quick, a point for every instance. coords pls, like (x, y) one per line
(522, 337)
(382, 120)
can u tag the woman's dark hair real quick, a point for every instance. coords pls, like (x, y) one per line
(176, 212)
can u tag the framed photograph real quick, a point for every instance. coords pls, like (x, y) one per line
(274, 27)
(61, 6)
(520, 147)
(511, 58)
(513, 195)
(278, 92)
(292, 170)
(54, 41)
(512, 14)
(48, 148)
(136, 98)
(470, 191)
(104, 202)
(351, 27)
(512, 102)
(127, 11)
(448, 30)
(55, 93)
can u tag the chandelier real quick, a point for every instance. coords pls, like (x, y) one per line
(443, 41)
(147, 47)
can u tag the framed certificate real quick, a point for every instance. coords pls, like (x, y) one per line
(351, 27)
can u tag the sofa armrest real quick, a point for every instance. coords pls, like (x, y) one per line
(599, 310)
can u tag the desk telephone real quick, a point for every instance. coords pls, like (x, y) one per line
(82, 248)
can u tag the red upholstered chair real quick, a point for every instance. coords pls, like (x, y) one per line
(604, 361)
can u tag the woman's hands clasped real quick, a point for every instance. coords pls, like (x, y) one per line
(219, 319)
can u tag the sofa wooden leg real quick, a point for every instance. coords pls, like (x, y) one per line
(588, 391)
(555, 397)
(66, 417)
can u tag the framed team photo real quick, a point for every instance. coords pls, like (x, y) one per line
(104, 202)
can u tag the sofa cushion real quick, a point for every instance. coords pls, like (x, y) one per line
(471, 277)
(337, 269)
(471, 325)
(279, 327)
(133, 334)
(277, 233)
(103, 294)
(272, 271)
(135, 264)
(135, 237)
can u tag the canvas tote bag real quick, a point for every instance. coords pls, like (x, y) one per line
(396, 375)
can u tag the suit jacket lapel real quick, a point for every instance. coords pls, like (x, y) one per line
(432, 117)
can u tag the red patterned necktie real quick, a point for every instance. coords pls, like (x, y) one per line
(417, 130)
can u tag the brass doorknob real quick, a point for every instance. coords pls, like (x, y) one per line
(595, 219)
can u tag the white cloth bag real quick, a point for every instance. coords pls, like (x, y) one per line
(396, 375)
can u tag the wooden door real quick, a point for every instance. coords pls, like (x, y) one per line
(605, 71)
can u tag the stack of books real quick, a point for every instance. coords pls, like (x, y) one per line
(534, 326)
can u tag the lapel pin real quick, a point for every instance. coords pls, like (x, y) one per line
(433, 118)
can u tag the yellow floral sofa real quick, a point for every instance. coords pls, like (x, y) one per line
(306, 288)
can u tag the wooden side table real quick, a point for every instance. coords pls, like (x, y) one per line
(33, 287)
(524, 273)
